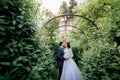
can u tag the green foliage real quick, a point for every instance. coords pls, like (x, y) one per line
(72, 3)
(24, 54)
(63, 8)
(100, 51)
(46, 68)
(20, 50)
(29, 53)
(101, 62)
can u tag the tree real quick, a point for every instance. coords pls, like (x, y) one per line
(63, 8)
(72, 3)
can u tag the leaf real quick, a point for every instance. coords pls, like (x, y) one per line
(20, 25)
(1, 28)
(117, 58)
(15, 69)
(5, 63)
(12, 27)
(21, 17)
(14, 22)
(15, 62)
(118, 34)
(3, 52)
(2, 16)
(2, 33)
(2, 40)
(19, 65)
(12, 13)
(2, 21)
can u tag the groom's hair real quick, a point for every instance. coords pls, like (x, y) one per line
(60, 43)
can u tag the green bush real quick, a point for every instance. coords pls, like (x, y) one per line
(100, 49)
(22, 55)
(17, 40)
(101, 62)
(28, 54)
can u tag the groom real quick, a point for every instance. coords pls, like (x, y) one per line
(60, 58)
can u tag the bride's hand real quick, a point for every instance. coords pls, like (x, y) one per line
(66, 58)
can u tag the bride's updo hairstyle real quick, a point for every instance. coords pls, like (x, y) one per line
(68, 44)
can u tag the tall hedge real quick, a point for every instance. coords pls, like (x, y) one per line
(18, 45)
(100, 55)
(24, 54)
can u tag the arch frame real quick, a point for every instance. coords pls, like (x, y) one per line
(72, 15)
(67, 30)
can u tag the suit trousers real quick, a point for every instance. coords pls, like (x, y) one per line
(60, 72)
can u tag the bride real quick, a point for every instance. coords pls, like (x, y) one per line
(70, 69)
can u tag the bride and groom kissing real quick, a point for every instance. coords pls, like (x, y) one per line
(68, 69)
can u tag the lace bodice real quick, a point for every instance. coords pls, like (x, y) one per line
(68, 53)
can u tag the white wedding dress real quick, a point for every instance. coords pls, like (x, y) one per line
(70, 68)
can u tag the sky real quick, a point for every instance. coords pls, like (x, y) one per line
(54, 5)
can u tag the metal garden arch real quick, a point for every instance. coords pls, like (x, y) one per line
(69, 15)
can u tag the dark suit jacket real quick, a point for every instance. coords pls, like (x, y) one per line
(60, 58)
